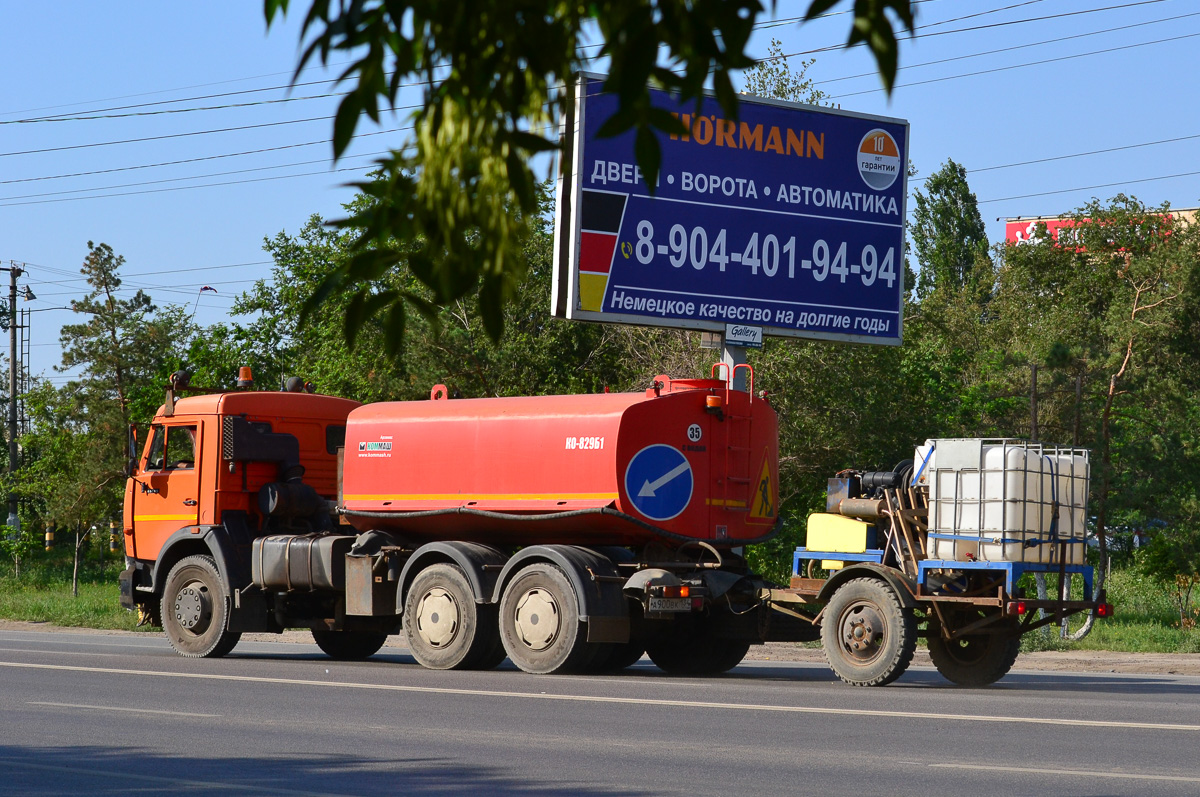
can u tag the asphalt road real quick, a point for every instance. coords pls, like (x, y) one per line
(96, 714)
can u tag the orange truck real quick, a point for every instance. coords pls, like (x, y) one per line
(568, 533)
(577, 533)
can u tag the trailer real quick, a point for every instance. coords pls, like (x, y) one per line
(565, 533)
(937, 548)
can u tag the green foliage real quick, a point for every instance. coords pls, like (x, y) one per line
(451, 193)
(17, 544)
(1173, 559)
(773, 78)
(1111, 306)
(947, 231)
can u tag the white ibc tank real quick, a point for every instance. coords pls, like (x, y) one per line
(998, 500)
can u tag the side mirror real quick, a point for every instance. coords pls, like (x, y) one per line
(132, 443)
(130, 467)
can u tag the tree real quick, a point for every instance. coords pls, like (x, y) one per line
(76, 448)
(124, 347)
(773, 78)
(1112, 303)
(947, 231)
(68, 479)
(17, 544)
(482, 120)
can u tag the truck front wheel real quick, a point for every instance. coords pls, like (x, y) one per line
(977, 659)
(446, 628)
(195, 609)
(868, 637)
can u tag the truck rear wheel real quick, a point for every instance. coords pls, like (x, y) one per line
(539, 622)
(446, 628)
(349, 645)
(195, 609)
(698, 653)
(977, 659)
(868, 637)
(617, 656)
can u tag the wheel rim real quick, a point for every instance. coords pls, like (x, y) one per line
(437, 618)
(193, 607)
(537, 619)
(862, 632)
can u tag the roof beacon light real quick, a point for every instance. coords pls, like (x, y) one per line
(245, 377)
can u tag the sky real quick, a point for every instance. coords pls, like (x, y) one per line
(176, 139)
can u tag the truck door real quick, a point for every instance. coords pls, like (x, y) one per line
(167, 497)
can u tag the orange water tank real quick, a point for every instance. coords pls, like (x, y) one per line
(686, 460)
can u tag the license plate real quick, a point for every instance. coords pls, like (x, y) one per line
(670, 604)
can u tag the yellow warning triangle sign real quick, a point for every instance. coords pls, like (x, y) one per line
(762, 502)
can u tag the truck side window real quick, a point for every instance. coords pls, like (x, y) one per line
(181, 447)
(335, 438)
(157, 449)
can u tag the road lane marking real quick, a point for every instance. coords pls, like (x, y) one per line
(61, 652)
(441, 690)
(124, 775)
(1073, 772)
(119, 708)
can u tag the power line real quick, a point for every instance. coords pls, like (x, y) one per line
(180, 188)
(180, 88)
(1090, 187)
(1082, 154)
(1020, 66)
(196, 160)
(980, 14)
(148, 273)
(975, 28)
(1056, 40)
(180, 135)
(162, 111)
(191, 177)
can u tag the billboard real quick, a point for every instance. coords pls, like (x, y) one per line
(790, 218)
(1023, 230)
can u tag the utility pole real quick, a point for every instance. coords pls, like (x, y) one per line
(15, 271)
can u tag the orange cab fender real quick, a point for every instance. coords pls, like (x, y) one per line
(211, 541)
(596, 581)
(903, 586)
(480, 563)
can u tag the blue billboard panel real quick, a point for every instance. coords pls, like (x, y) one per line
(790, 217)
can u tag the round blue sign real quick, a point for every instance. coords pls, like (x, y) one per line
(658, 481)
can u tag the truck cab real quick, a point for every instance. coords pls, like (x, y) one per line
(213, 474)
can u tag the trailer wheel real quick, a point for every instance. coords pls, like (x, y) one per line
(539, 622)
(977, 659)
(697, 653)
(195, 609)
(349, 645)
(868, 637)
(446, 628)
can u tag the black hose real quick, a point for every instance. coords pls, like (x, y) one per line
(604, 510)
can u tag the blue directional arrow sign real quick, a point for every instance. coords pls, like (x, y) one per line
(658, 481)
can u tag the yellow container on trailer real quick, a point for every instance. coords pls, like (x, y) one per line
(838, 534)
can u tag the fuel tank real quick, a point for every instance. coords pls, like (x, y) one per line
(687, 460)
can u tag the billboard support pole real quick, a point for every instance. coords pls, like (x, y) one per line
(734, 356)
